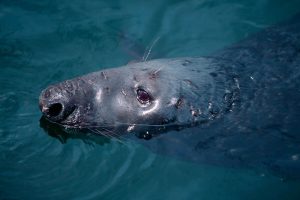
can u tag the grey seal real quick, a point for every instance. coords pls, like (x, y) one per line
(239, 106)
(147, 97)
(166, 94)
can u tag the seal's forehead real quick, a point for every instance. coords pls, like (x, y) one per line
(146, 74)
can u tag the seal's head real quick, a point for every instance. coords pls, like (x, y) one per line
(141, 97)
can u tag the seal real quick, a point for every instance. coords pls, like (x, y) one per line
(156, 96)
(238, 107)
(145, 98)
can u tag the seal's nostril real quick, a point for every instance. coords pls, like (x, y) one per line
(55, 109)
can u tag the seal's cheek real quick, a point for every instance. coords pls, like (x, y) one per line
(123, 108)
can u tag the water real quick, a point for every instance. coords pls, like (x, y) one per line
(42, 42)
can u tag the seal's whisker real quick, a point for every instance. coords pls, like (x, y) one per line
(135, 124)
(145, 57)
(107, 133)
(98, 132)
(27, 114)
(152, 125)
(111, 132)
(116, 136)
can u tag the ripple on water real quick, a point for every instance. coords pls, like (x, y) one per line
(9, 103)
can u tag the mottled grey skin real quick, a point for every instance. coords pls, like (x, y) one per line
(242, 104)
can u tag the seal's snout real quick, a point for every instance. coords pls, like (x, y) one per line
(53, 110)
(56, 104)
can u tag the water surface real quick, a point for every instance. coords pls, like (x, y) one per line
(43, 42)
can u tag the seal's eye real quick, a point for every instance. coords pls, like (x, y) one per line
(143, 96)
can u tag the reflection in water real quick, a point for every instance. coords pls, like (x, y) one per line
(62, 134)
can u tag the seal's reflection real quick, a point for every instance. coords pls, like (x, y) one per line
(60, 133)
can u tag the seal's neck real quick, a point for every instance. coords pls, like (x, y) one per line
(210, 93)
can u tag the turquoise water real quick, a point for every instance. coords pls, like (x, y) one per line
(43, 42)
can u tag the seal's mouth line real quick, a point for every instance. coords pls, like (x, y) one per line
(65, 126)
